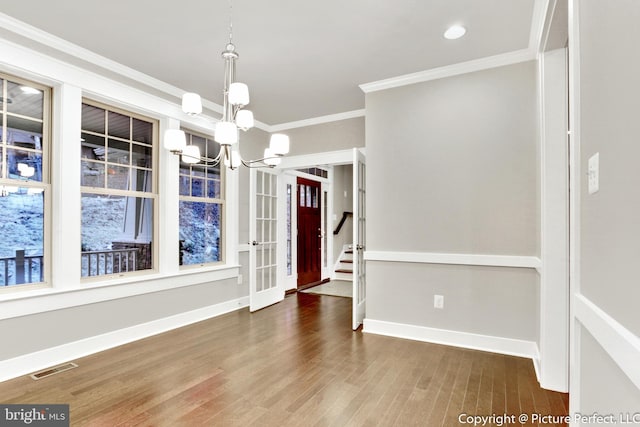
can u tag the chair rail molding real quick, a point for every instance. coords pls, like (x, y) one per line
(516, 261)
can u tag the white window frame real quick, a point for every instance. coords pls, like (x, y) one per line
(44, 185)
(204, 199)
(153, 195)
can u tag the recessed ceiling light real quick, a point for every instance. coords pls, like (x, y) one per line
(455, 32)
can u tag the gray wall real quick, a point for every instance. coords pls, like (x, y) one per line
(326, 137)
(452, 167)
(54, 328)
(610, 225)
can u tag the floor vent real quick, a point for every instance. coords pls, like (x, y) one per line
(52, 371)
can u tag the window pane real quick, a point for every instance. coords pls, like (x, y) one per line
(118, 177)
(92, 174)
(20, 162)
(22, 231)
(142, 180)
(93, 118)
(24, 133)
(213, 148)
(142, 131)
(203, 182)
(116, 234)
(197, 187)
(119, 125)
(185, 185)
(213, 189)
(118, 152)
(199, 232)
(197, 170)
(25, 100)
(93, 147)
(141, 155)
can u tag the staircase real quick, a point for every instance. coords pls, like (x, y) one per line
(344, 266)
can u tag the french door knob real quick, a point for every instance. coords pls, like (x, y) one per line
(254, 243)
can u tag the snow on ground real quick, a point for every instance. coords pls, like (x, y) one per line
(22, 223)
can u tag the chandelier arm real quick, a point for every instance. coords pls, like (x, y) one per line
(212, 162)
(255, 164)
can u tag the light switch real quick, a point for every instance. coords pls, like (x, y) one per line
(593, 173)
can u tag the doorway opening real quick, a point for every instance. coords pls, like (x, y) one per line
(310, 232)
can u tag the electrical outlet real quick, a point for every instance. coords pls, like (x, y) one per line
(239, 279)
(438, 301)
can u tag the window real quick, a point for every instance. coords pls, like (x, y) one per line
(24, 180)
(201, 206)
(118, 191)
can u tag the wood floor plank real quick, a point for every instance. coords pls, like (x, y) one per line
(296, 363)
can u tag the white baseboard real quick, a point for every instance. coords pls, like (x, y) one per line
(509, 346)
(28, 363)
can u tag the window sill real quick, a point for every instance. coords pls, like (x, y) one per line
(32, 301)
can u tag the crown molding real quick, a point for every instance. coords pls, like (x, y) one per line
(486, 63)
(318, 120)
(538, 20)
(37, 35)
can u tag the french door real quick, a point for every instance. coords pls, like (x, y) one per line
(265, 287)
(359, 237)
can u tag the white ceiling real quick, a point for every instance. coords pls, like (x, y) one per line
(301, 59)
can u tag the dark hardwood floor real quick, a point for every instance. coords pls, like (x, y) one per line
(296, 363)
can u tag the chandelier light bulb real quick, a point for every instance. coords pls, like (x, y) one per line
(27, 171)
(234, 161)
(238, 94)
(226, 133)
(174, 140)
(279, 144)
(191, 103)
(244, 119)
(191, 154)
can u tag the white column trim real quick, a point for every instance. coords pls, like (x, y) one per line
(574, 203)
(66, 210)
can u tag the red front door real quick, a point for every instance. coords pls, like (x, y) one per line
(309, 232)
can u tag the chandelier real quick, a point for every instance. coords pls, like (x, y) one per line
(234, 119)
